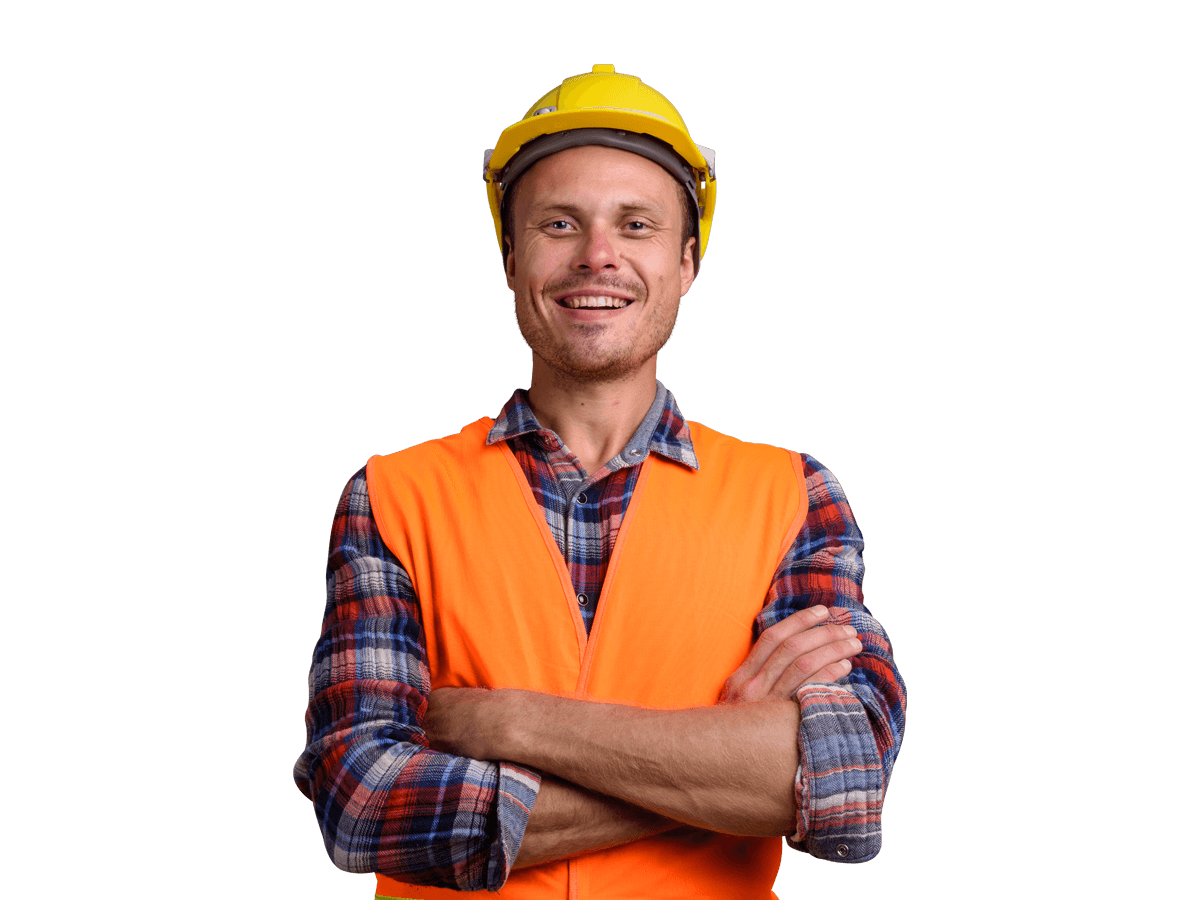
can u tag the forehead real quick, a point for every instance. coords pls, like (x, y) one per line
(597, 174)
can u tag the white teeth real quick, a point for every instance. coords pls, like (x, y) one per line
(599, 301)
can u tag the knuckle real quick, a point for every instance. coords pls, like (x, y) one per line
(772, 636)
(800, 665)
(737, 690)
(800, 618)
(734, 697)
(794, 644)
(822, 656)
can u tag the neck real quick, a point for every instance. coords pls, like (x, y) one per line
(596, 420)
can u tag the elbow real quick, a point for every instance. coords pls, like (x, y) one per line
(355, 842)
(360, 837)
(366, 785)
(342, 831)
(348, 837)
(355, 845)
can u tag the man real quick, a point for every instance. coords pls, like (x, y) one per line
(668, 622)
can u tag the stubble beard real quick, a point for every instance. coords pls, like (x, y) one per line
(586, 359)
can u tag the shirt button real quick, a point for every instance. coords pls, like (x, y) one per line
(582, 598)
(581, 498)
(635, 452)
(843, 851)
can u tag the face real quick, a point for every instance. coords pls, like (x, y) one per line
(596, 268)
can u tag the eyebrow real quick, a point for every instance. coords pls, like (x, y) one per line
(626, 208)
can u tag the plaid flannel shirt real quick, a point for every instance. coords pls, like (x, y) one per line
(388, 803)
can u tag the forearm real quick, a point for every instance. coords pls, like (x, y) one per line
(568, 820)
(727, 768)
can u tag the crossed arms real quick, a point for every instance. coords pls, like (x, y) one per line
(730, 768)
(389, 800)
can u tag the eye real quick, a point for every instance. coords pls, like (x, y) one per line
(559, 225)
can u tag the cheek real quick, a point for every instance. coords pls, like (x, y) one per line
(519, 279)
(543, 253)
(666, 281)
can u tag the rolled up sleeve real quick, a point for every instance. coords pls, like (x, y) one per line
(850, 732)
(384, 800)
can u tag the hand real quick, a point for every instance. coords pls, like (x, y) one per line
(805, 647)
(463, 721)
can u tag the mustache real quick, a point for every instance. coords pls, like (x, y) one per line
(634, 289)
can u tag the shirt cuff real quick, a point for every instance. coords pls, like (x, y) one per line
(839, 786)
(516, 791)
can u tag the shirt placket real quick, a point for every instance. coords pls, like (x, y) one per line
(577, 492)
(576, 508)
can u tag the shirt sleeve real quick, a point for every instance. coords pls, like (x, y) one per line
(850, 731)
(384, 800)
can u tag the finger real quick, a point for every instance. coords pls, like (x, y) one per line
(768, 642)
(834, 672)
(801, 656)
(749, 687)
(748, 683)
(817, 665)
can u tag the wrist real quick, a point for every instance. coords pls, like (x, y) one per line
(508, 711)
(476, 723)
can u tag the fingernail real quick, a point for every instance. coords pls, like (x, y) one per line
(849, 631)
(820, 612)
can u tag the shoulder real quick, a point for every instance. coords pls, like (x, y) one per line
(822, 486)
(433, 455)
(730, 450)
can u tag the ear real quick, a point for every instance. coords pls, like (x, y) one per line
(510, 263)
(687, 267)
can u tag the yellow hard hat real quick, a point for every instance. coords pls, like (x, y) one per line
(604, 107)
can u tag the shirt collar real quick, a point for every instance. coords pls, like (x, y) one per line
(663, 431)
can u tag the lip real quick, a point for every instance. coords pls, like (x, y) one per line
(563, 300)
(593, 313)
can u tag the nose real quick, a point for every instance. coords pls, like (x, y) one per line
(594, 251)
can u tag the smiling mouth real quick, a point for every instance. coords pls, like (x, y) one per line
(594, 301)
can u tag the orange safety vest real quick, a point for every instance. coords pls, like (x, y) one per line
(694, 559)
